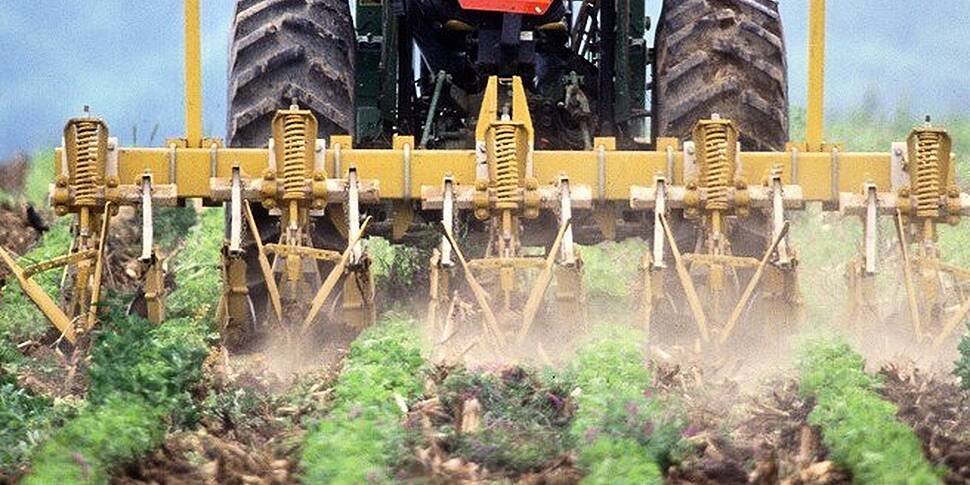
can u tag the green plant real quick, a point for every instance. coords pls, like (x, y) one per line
(859, 428)
(40, 174)
(357, 441)
(141, 375)
(83, 451)
(198, 280)
(26, 420)
(19, 319)
(611, 268)
(618, 430)
(395, 266)
(962, 369)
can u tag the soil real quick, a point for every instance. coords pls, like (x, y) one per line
(764, 438)
(19, 228)
(255, 447)
(938, 411)
(13, 172)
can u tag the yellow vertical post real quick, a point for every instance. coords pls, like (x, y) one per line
(193, 75)
(814, 132)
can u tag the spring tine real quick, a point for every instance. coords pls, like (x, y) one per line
(952, 324)
(541, 284)
(479, 292)
(335, 274)
(908, 276)
(264, 266)
(99, 267)
(692, 299)
(743, 302)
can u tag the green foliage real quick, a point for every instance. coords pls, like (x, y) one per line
(19, 319)
(619, 431)
(159, 364)
(611, 268)
(962, 369)
(25, 421)
(172, 224)
(83, 452)
(859, 428)
(524, 424)
(198, 279)
(395, 266)
(357, 441)
(40, 174)
(618, 460)
(141, 375)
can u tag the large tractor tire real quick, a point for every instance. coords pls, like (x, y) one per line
(284, 52)
(725, 57)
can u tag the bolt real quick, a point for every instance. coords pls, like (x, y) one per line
(898, 152)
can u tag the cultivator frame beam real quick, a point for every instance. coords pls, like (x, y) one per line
(673, 177)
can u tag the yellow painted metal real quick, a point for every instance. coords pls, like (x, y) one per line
(193, 74)
(622, 169)
(752, 285)
(694, 301)
(40, 298)
(540, 286)
(332, 279)
(814, 133)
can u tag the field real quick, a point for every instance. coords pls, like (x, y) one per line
(168, 404)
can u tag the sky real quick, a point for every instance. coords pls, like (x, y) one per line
(124, 59)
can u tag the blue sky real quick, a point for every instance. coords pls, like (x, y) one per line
(123, 58)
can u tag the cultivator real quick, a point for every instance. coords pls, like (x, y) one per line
(716, 218)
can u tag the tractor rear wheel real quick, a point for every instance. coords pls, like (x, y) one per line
(725, 57)
(284, 52)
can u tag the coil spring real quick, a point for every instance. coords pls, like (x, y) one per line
(929, 176)
(86, 170)
(506, 167)
(294, 165)
(717, 172)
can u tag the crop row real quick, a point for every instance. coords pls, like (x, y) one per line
(360, 438)
(621, 434)
(141, 375)
(859, 428)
